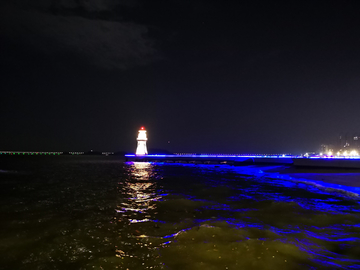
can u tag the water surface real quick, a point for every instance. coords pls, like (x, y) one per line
(102, 213)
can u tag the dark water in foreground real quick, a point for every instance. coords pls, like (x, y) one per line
(101, 213)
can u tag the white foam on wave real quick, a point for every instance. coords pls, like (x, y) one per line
(331, 185)
(343, 190)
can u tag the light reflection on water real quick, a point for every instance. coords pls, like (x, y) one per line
(90, 214)
(138, 205)
(138, 193)
(275, 222)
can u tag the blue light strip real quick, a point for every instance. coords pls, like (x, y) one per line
(209, 156)
(242, 156)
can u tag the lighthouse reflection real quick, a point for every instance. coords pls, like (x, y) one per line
(139, 193)
(136, 213)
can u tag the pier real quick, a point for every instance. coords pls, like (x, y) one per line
(348, 162)
(298, 161)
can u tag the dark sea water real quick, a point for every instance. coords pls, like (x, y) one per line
(102, 213)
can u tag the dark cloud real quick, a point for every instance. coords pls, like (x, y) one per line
(101, 42)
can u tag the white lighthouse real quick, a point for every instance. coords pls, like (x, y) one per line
(141, 139)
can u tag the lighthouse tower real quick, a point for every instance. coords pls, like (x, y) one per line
(141, 147)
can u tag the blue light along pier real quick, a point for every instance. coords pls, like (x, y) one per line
(299, 161)
(212, 159)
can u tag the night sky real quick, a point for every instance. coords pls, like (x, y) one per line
(201, 76)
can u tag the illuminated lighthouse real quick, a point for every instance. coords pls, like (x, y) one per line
(141, 147)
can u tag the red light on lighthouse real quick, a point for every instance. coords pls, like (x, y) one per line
(142, 128)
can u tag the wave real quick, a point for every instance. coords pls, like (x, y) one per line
(347, 191)
(263, 171)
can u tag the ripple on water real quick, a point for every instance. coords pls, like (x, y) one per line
(85, 214)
